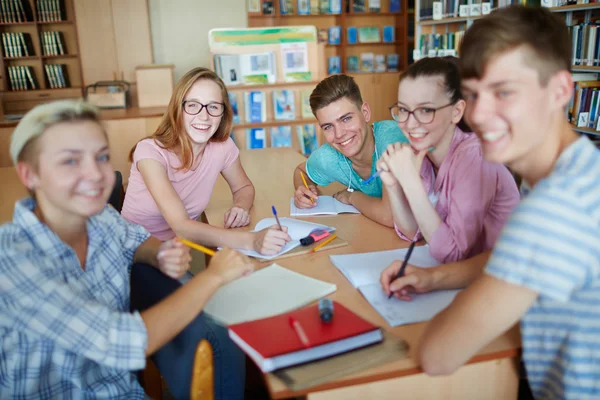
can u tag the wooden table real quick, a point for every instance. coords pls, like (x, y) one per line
(491, 374)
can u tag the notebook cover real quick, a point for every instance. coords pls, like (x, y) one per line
(259, 334)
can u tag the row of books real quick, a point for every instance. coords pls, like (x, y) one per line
(585, 104)
(370, 62)
(53, 43)
(283, 101)
(14, 11)
(22, 77)
(363, 34)
(438, 45)
(436, 10)
(281, 136)
(50, 10)
(17, 44)
(316, 7)
(585, 40)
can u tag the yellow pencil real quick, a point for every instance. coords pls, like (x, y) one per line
(331, 239)
(198, 247)
(306, 185)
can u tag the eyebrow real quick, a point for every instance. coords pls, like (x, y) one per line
(77, 151)
(492, 85)
(198, 101)
(424, 103)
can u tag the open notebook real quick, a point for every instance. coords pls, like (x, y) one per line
(364, 270)
(296, 229)
(270, 291)
(326, 205)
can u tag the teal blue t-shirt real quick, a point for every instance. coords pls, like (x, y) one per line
(326, 165)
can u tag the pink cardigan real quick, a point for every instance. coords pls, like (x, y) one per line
(474, 200)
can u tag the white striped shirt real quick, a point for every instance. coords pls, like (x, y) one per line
(551, 244)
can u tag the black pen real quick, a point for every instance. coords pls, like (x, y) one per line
(403, 267)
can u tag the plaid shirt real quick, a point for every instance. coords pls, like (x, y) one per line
(66, 332)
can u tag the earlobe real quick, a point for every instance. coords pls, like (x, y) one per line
(366, 110)
(563, 88)
(458, 111)
(27, 175)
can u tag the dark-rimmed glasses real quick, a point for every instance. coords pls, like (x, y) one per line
(423, 115)
(194, 108)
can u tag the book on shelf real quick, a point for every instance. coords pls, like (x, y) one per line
(334, 65)
(281, 136)
(268, 8)
(306, 111)
(294, 57)
(353, 64)
(283, 105)
(52, 43)
(233, 101)
(369, 34)
(227, 66)
(256, 138)
(358, 6)
(21, 77)
(389, 34)
(380, 65)
(314, 7)
(367, 62)
(286, 7)
(253, 6)
(324, 6)
(15, 11)
(394, 6)
(303, 7)
(580, 112)
(258, 68)
(323, 35)
(17, 44)
(375, 6)
(346, 331)
(392, 62)
(307, 137)
(335, 35)
(57, 76)
(352, 36)
(51, 10)
(335, 6)
(585, 44)
(255, 106)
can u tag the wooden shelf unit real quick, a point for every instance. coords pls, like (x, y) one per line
(344, 20)
(20, 101)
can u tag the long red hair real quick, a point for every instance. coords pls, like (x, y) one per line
(171, 133)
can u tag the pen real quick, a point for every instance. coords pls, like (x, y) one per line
(198, 247)
(369, 179)
(306, 185)
(276, 217)
(331, 239)
(299, 332)
(403, 267)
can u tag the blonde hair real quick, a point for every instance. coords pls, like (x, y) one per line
(171, 133)
(39, 119)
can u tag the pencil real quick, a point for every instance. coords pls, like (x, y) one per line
(306, 185)
(403, 267)
(198, 247)
(324, 243)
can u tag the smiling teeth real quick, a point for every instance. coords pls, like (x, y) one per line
(346, 142)
(201, 126)
(91, 193)
(418, 135)
(492, 136)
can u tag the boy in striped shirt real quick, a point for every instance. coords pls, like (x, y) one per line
(545, 267)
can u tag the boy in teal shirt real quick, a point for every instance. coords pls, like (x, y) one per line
(351, 152)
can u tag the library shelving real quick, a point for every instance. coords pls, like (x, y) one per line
(40, 59)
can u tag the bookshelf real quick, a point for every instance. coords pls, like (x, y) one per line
(40, 53)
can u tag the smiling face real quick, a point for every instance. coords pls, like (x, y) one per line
(345, 126)
(202, 126)
(427, 93)
(510, 111)
(73, 176)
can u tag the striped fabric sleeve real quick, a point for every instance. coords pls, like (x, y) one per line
(549, 245)
(129, 235)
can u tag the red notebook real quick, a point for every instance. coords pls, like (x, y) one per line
(273, 343)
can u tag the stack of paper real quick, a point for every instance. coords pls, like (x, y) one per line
(267, 292)
(364, 271)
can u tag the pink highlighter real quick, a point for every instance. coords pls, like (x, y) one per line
(314, 236)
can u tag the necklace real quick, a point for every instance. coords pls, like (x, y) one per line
(349, 188)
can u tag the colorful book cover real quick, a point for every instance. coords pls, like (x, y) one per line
(367, 62)
(394, 5)
(334, 65)
(352, 35)
(234, 107)
(369, 34)
(307, 137)
(281, 136)
(375, 6)
(323, 35)
(380, 65)
(359, 6)
(353, 65)
(392, 62)
(335, 35)
(255, 138)
(305, 98)
(314, 7)
(335, 6)
(303, 7)
(389, 34)
(255, 106)
(324, 6)
(283, 105)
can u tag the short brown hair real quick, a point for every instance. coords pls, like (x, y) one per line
(542, 33)
(332, 89)
(171, 133)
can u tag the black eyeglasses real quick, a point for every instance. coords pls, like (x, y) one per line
(194, 108)
(423, 115)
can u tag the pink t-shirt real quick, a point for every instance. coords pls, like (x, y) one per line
(194, 187)
(473, 198)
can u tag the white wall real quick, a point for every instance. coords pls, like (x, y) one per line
(180, 29)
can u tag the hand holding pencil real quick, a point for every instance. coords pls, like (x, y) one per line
(305, 196)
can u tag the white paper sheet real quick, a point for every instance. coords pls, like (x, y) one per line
(326, 205)
(267, 292)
